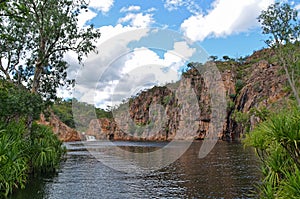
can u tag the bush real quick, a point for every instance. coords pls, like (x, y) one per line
(239, 85)
(277, 143)
(41, 152)
(13, 159)
(17, 103)
(45, 149)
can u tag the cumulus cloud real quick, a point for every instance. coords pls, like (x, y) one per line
(117, 72)
(190, 5)
(130, 9)
(94, 81)
(144, 68)
(138, 20)
(225, 18)
(84, 17)
(174, 58)
(101, 5)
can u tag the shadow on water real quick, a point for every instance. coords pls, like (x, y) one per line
(229, 171)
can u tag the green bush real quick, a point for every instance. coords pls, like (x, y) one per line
(239, 84)
(17, 103)
(41, 152)
(277, 141)
(13, 158)
(45, 149)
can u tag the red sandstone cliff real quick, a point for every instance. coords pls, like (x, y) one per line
(161, 113)
(64, 133)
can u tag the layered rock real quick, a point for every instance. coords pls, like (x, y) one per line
(183, 110)
(64, 132)
(263, 87)
(180, 111)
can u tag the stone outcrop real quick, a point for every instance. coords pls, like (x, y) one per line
(162, 112)
(176, 111)
(182, 110)
(263, 87)
(64, 132)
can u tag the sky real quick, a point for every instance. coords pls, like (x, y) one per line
(149, 42)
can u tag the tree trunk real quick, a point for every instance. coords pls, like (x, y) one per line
(36, 78)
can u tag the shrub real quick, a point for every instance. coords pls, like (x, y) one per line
(41, 152)
(13, 159)
(277, 141)
(239, 85)
(45, 149)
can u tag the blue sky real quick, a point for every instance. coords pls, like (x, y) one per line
(131, 55)
(239, 38)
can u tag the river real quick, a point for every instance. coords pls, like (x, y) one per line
(229, 171)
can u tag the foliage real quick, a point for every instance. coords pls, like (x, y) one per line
(241, 118)
(17, 103)
(45, 149)
(277, 141)
(63, 109)
(239, 84)
(35, 35)
(83, 113)
(20, 156)
(262, 113)
(13, 159)
(280, 22)
(167, 99)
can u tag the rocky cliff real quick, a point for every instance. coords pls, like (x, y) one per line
(183, 110)
(158, 114)
(64, 132)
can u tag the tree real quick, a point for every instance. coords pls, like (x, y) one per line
(35, 35)
(213, 58)
(280, 22)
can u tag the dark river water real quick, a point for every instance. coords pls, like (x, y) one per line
(229, 171)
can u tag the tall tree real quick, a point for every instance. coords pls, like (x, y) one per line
(35, 35)
(281, 23)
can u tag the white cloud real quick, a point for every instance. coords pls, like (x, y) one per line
(173, 4)
(130, 9)
(174, 58)
(225, 18)
(190, 5)
(84, 17)
(139, 20)
(101, 5)
(151, 10)
(119, 73)
(103, 70)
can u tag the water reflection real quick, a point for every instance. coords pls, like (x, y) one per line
(228, 171)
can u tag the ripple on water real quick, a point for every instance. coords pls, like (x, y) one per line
(228, 171)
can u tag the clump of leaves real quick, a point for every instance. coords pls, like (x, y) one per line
(277, 141)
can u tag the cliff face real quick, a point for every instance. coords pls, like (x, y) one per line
(182, 110)
(164, 113)
(64, 133)
(264, 86)
(161, 114)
